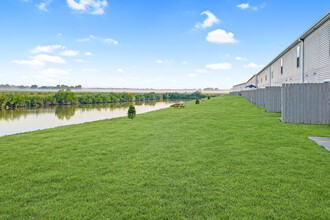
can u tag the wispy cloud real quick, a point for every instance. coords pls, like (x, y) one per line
(220, 36)
(89, 70)
(209, 21)
(80, 61)
(40, 60)
(164, 61)
(46, 49)
(192, 74)
(88, 53)
(219, 66)
(111, 41)
(120, 70)
(69, 53)
(244, 6)
(240, 58)
(43, 5)
(83, 39)
(104, 40)
(49, 58)
(31, 63)
(95, 7)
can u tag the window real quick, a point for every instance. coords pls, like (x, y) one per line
(265, 77)
(298, 56)
(281, 65)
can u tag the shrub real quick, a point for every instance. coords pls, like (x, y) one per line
(208, 97)
(131, 112)
(197, 101)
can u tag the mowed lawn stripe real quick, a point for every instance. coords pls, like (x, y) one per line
(223, 158)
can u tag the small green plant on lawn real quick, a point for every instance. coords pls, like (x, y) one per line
(197, 101)
(131, 112)
(208, 97)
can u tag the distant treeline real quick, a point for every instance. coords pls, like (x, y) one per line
(67, 97)
(7, 86)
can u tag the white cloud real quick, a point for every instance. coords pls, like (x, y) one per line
(219, 66)
(48, 58)
(192, 74)
(253, 65)
(95, 7)
(184, 62)
(243, 6)
(88, 53)
(80, 61)
(31, 63)
(84, 39)
(105, 40)
(248, 6)
(240, 58)
(59, 34)
(40, 60)
(120, 70)
(46, 49)
(70, 53)
(89, 70)
(164, 61)
(220, 36)
(209, 21)
(43, 5)
(111, 41)
(201, 71)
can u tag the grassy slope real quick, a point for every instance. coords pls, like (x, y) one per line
(222, 158)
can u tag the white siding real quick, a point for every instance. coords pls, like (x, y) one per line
(317, 55)
(291, 73)
(252, 81)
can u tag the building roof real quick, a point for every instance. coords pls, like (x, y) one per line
(309, 31)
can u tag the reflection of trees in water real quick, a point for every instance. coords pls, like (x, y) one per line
(11, 115)
(16, 114)
(106, 106)
(151, 102)
(65, 112)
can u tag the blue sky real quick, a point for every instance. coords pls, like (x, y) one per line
(146, 43)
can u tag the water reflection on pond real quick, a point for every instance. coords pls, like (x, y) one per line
(30, 119)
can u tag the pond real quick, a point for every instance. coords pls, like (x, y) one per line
(31, 119)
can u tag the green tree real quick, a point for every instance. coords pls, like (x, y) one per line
(131, 112)
(197, 101)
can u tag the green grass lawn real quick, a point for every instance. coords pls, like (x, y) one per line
(223, 158)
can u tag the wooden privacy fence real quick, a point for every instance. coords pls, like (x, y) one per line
(306, 103)
(299, 103)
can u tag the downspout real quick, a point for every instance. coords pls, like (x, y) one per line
(270, 75)
(302, 61)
